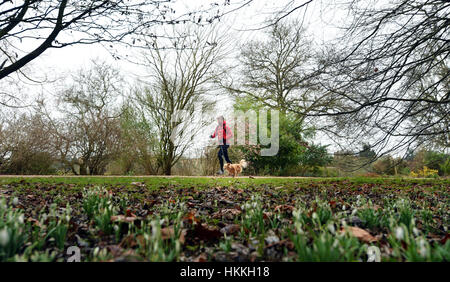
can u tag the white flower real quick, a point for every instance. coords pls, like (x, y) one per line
(15, 201)
(422, 247)
(331, 228)
(96, 251)
(335, 243)
(399, 233)
(373, 254)
(416, 231)
(4, 237)
(344, 207)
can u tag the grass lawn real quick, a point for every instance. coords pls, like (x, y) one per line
(224, 219)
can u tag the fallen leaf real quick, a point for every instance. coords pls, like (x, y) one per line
(204, 232)
(267, 215)
(115, 250)
(123, 218)
(227, 213)
(201, 258)
(35, 221)
(129, 241)
(445, 238)
(129, 213)
(230, 229)
(190, 217)
(332, 204)
(284, 208)
(361, 234)
(169, 232)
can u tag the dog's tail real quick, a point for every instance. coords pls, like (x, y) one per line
(243, 163)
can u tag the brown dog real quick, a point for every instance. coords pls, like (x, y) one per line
(235, 169)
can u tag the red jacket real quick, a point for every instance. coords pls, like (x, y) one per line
(224, 134)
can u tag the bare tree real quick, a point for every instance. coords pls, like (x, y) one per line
(175, 95)
(277, 71)
(25, 145)
(388, 78)
(88, 133)
(56, 24)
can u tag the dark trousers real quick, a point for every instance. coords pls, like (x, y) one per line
(223, 152)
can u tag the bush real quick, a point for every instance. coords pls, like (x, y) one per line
(384, 165)
(425, 172)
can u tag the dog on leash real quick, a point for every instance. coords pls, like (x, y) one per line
(235, 169)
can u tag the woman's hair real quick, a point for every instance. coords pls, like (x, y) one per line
(221, 118)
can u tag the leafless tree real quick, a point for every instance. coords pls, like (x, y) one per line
(175, 96)
(87, 131)
(25, 145)
(277, 71)
(55, 24)
(387, 79)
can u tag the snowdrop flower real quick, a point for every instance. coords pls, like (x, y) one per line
(15, 201)
(331, 228)
(298, 227)
(296, 214)
(416, 231)
(422, 247)
(4, 237)
(21, 219)
(399, 233)
(335, 243)
(344, 207)
(373, 254)
(315, 216)
(96, 251)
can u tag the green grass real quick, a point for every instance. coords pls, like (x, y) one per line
(203, 182)
(175, 218)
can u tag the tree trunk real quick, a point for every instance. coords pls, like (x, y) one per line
(167, 169)
(168, 159)
(83, 169)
